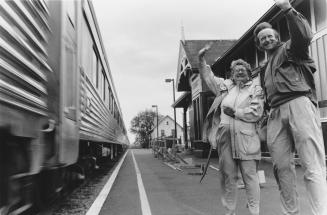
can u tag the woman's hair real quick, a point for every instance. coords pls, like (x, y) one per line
(242, 63)
(260, 27)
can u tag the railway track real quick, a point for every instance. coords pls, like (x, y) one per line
(79, 197)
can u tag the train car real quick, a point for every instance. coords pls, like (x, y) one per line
(59, 111)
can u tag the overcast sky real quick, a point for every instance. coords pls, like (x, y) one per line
(142, 37)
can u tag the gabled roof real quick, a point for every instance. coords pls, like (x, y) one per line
(188, 58)
(218, 48)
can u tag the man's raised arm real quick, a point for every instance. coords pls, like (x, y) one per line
(300, 30)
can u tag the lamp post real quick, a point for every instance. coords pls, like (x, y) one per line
(173, 81)
(156, 106)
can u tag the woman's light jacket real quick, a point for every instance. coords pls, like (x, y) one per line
(248, 110)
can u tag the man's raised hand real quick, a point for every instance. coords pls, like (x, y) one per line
(283, 4)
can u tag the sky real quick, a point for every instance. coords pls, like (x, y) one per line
(142, 38)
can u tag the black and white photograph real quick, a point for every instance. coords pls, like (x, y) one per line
(163, 107)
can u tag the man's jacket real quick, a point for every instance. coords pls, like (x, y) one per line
(289, 70)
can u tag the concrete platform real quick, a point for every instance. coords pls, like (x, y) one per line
(170, 191)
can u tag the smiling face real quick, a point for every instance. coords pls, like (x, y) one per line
(268, 40)
(240, 74)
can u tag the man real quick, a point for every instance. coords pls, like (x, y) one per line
(293, 121)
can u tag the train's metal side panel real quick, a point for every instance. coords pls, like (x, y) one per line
(62, 85)
(69, 144)
(97, 121)
(23, 65)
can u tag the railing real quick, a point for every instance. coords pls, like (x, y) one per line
(163, 147)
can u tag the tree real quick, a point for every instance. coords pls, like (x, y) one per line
(142, 125)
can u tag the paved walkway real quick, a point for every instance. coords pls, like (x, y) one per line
(146, 186)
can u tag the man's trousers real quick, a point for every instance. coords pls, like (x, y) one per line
(295, 127)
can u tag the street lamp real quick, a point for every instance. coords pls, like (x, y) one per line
(173, 81)
(156, 106)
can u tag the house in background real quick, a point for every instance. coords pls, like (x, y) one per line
(166, 128)
(196, 99)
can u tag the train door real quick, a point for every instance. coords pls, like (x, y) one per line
(68, 153)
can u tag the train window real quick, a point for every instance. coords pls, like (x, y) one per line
(112, 103)
(100, 68)
(113, 109)
(320, 14)
(109, 97)
(69, 80)
(105, 90)
(88, 48)
(100, 90)
(197, 122)
(116, 111)
(106, 98)
(94, 67)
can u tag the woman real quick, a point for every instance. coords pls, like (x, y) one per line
(236, 109)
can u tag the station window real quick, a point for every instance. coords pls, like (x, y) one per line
(162, 132)
(167, 123)
(173, 132)
(197, 118)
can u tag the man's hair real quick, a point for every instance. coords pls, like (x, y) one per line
(242, 63)
(260, 27)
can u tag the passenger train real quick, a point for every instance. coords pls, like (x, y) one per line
(59, 111)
